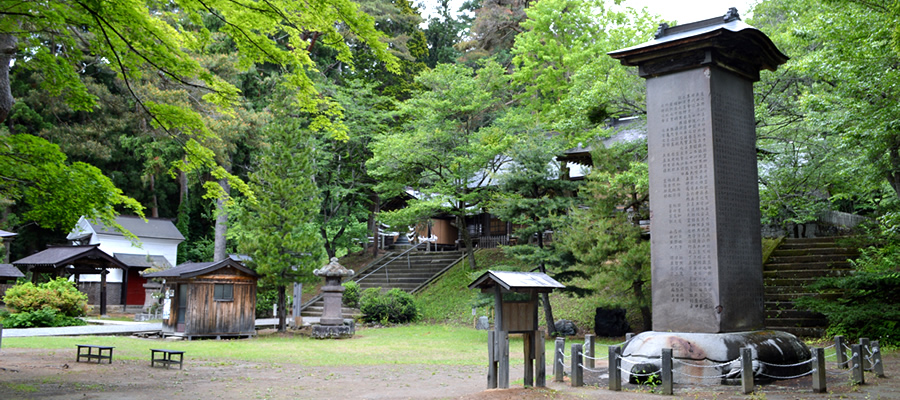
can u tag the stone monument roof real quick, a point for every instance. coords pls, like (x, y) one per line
(333, 268)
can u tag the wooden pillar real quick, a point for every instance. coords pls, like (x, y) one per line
(503, 367)
(502, 340)
(528, 339)
(577, 374)
(665, 371)
(746, 370)
(540, 361)
(615, 374)
(818, 373)
(559, 370)
(857, 374)
(123, 295)
(840, 352)
(589, 342)
(864, 356)
(103, 273)
(492, 360)
(877, 365)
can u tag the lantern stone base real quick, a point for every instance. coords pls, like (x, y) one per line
(714, 358)
(347, 330)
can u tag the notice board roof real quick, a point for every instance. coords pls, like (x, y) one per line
(516, 281)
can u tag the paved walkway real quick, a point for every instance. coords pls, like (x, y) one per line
(101, 327)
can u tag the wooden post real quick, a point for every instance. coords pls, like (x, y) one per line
(577, 373)
(818, 373)
(840, 352)
(857, 375)
(877, 365)
(589, 341)
(558, 361)
(492, 360)
(540, 361)
(665, 372)
(1, 335)
(746, 370)
(864, 356)
(528, 343)
(615, 375)
(103, 292)
(628, 336)
(503, 367)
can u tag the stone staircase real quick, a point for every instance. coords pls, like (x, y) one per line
(791, 268)
(409, 272)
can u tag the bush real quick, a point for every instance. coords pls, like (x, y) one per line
(395, 306)
(351, 294)
(43, 317)
(59, 295)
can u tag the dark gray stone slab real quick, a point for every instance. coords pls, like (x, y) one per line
(704, 201)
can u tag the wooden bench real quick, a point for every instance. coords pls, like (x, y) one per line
(90, 356)
(165, 357)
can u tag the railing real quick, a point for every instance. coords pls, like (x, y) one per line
(408, 263)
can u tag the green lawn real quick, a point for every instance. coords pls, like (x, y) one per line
(413, 344)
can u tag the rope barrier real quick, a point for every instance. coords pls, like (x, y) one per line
(638, 374)
(625, 360)
(705, 366)
(786, 365)
(707, 377)
(564, 356)
(591, 370)
(786, 377)
(829, 347)
(592, 358)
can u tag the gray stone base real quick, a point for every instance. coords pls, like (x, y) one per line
(714, 358)
(347, 330)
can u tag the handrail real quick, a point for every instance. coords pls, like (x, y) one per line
(405, 253)
(441, 272)
(361, 270)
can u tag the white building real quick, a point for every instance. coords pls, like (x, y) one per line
(156, 246)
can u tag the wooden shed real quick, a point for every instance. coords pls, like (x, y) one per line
(211, 299)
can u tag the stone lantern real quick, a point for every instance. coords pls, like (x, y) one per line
(332, 324)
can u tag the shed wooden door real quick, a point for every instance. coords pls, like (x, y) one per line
(182, 307)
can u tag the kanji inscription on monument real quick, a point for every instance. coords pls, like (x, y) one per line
(704, 198)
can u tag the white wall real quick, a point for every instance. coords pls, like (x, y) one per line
(111, 244)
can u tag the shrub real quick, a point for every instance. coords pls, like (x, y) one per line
(395, 306)
(59, 295)
(43, 317)
(351, 294)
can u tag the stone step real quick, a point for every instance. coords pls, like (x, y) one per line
(844, 265)
(820, 245)
(813, 332)
(781, 252)
(825, 239)
(793, 314)
(808, 259)
(805, 273)
(790, 282)
(797, 322)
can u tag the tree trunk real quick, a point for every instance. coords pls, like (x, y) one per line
(220, 252)
(154, 210)
(467, 241)
(545, 297)
(637, 287)
(282, 305)
(8, 45)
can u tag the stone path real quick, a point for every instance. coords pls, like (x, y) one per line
(99, 327)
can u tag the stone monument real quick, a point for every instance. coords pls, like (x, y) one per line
(332, 324)
(706, 257)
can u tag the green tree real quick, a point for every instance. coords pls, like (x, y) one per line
(533, 196)
(448, 151)
(277, 230)
(605, 236)
(443, 32)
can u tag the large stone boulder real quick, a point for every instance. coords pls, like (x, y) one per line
(565, 327)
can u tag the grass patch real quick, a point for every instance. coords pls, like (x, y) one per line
(20, 387)
(768, 246)
(413, 344)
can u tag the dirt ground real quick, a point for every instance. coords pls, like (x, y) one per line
(48, 374)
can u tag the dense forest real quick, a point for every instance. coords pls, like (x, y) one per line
(279, 128)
